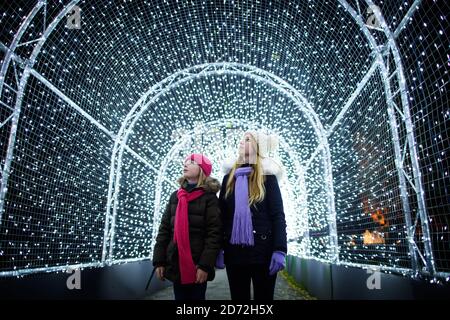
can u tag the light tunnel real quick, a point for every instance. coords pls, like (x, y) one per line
(101, 101)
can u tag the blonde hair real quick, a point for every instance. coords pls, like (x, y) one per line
(257, 191)
(200, 183)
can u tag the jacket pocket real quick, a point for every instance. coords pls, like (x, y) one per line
(263, 244)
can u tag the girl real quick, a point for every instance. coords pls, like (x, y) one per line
(253, 217)
(189, 236)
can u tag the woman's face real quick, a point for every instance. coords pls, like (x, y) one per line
(191, 170)
(246, 146)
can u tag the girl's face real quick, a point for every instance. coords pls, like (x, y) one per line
(191, 170)
(247, 146)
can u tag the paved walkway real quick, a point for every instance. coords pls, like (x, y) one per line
(219, 290)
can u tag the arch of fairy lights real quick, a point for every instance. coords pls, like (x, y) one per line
(293, 191)
(204, 70)
(311, 185)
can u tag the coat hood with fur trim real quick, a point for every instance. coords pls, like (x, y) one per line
(270, 166)
(211, 184)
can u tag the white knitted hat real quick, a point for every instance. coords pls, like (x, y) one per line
(267, 144)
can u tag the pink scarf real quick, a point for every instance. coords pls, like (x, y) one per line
(188, 270)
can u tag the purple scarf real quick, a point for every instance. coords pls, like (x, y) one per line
(242, 222)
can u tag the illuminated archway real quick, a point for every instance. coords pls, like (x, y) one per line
(397, 188)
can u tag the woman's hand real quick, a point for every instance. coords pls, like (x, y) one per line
(202, 276)
(278, 262)
(160, 273)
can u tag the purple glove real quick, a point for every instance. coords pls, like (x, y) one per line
(277, 263)
(220, 260)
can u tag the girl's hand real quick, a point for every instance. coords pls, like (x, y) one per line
(202, 276)
(160, 273)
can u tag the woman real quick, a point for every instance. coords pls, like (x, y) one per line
(253, 217)
(189, 236)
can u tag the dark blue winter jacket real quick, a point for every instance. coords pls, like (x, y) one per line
(269, 225)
